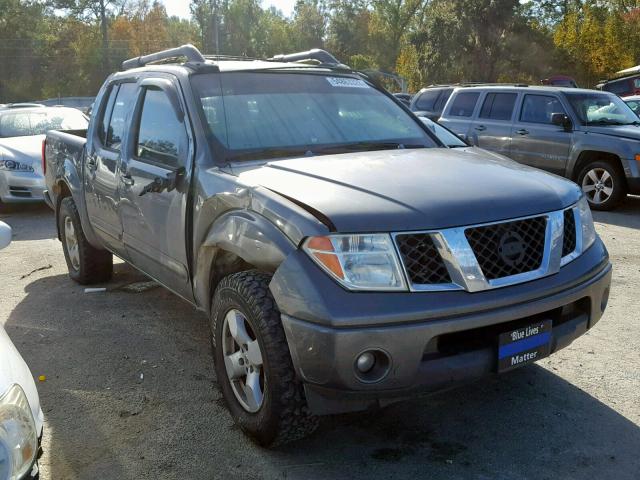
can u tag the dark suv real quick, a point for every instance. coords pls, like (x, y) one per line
(345, 257)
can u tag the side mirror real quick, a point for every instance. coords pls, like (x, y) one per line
(5, 235)
(562, 120)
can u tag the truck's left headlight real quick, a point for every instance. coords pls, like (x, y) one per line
(18, 436)
(358, 261)
(586, 221)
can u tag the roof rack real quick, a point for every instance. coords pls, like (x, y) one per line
(321, 56)
(478, 84)
(192, 54)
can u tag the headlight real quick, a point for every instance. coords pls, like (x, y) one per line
(15, 166)
(18, 436)
(586, 221)
(359, 262)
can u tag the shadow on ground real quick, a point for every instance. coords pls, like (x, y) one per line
(29, 221)
(130, 394)
(627, 214)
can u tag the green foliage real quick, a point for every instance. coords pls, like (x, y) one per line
(67, 47)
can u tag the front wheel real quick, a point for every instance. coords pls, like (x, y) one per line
(603, 184)
(253, 363)
(86, 263)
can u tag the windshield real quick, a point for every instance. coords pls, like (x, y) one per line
(601, 109)
(445, 135)
(265, 115)
(25, 123)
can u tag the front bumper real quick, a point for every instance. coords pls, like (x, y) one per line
(434, 340)
(16, 187)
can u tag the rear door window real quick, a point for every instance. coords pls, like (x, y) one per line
(464, 104)
(539, 108)
(498, 106)
(106, 114)
(117, 122)
(427, 100)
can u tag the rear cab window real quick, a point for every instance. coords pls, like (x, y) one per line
(116, 122)
(463, 104)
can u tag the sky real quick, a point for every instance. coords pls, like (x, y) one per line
(180, 8)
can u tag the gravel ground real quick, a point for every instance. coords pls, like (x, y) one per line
(131, 393)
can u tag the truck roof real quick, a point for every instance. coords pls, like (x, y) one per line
(169, 61)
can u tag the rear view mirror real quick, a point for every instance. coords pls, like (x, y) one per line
(562, 120)
(5, 235)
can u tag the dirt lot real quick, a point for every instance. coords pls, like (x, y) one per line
(131, 392)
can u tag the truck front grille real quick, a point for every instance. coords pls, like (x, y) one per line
(421, 259)
(569, 239)
(493, 255)
(511, 248)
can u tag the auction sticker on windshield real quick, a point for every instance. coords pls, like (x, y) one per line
(524, 345)
(347, 82)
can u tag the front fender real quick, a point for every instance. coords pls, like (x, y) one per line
(605, 144)
(249, 236)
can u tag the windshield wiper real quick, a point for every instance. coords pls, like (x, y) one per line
(366, 146)
(269, 153)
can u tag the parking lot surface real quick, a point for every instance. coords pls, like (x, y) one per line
(130, 391)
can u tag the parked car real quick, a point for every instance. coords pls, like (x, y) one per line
(623, 83)
(634, 103)
(545, 127)
(346, 258)
(559, 81)
(21, 417)
(430, 101)
(21, 134)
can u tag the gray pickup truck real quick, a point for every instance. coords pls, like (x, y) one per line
(346, 258)
(588, 136)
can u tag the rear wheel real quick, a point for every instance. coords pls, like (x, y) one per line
(86, 263)
(253, 363)
(603, 184)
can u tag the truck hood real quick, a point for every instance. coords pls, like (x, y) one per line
(399, 190)
(623, 131)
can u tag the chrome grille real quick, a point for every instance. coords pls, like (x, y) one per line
(510, 248)
(422, 262)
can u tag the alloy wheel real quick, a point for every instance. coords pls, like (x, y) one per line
(597, 185)
(243, 361)
(71, 241)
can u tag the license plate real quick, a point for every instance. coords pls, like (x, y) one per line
(524, 345)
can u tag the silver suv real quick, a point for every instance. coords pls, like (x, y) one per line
(588, 136)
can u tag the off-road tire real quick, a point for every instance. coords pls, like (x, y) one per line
(95, 265)
(618, 181)
(284, 415)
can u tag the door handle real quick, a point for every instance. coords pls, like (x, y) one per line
(481, 128)
(92, 164)
(127, 179)
(522, 131)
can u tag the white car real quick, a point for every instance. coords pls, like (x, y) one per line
(21, 417)
(22, 131)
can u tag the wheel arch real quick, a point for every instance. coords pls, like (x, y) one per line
(237, 241)
(587, 156)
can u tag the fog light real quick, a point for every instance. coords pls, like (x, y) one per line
(365, 362)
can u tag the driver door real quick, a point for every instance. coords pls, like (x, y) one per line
(154, 222)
